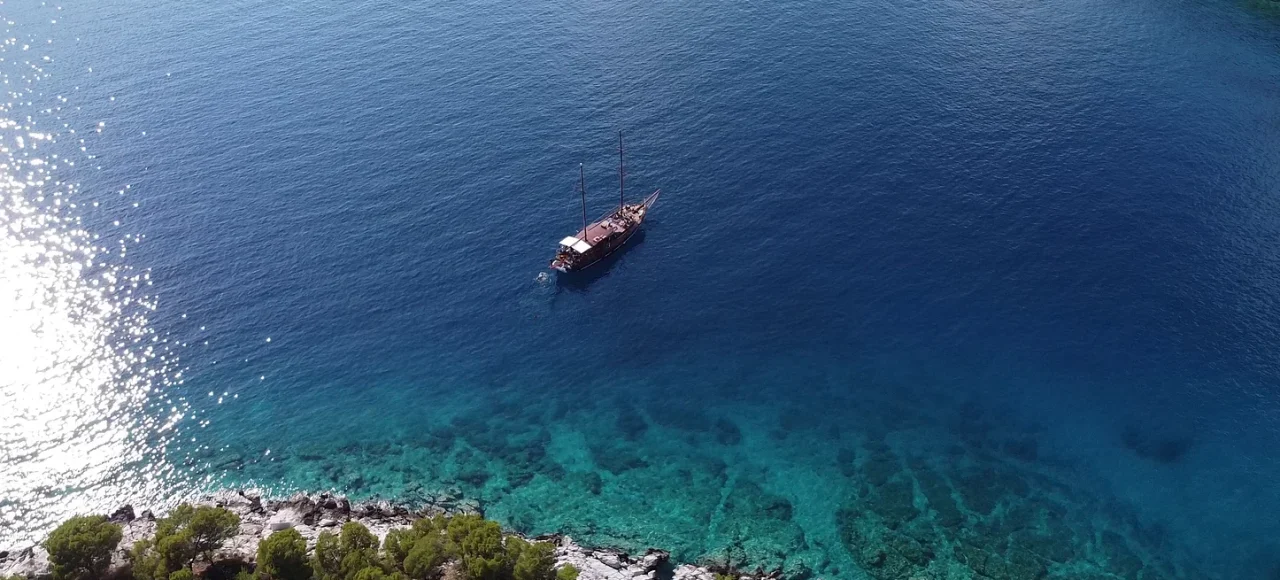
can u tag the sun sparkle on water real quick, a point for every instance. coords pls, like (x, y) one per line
(79, 361)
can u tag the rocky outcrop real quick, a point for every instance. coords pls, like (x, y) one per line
(312, 514)
(610, 564)
(32, 562)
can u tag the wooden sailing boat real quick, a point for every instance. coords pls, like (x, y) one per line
(603, 237)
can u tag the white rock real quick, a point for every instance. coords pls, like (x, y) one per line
(653, 560)
(234, 501)
(609, 559)
(35, 565)
(589, 567)
(284, 519)
(687, 572)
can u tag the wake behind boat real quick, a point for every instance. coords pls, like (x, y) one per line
(597, 240)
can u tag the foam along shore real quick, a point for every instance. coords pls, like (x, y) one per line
(312, 514)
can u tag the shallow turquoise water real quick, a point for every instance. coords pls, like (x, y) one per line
(953, 290)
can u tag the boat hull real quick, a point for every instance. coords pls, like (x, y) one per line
(605, 253)
(606, 247)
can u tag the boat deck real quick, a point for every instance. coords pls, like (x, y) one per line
(603, 228)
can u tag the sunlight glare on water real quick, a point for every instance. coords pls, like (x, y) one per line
(80, 360)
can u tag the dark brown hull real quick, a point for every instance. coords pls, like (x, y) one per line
(606, 250)
(569, 261)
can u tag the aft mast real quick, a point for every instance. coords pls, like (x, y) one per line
(621, 172)
(582, 186)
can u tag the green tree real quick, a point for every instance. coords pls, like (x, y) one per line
(356, 560)
(186, 533)
(371, 573)
(283, 556)
(327, 561)
(357, 537)
(143, 559)
(175, 521)
(534, 561)
(183, 574)
(438, 523)
(481, 551)
(424, 560)
(568, 572)
(80, 548)
(359, 549)
(156, 559)
(457, 530)
(513, 547)
(418, 551)
(479, 568)
(175, 550)
(398, 544)
(209, 527)
(344, 556)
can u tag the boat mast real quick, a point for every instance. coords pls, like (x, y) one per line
(621, 171)
(582, 186)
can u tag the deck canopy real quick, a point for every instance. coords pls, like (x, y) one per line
(580, 246)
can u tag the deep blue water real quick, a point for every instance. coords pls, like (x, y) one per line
(1036, 238)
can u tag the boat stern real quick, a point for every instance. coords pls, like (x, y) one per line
(571, 250)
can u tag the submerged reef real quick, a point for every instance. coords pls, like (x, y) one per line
(1156, 447)
(986, 519)
(892, 489)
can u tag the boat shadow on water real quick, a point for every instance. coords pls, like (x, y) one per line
(581, 280)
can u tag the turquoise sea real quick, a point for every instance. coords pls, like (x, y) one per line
(935, 290)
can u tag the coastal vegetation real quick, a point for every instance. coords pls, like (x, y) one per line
(463, 547)
(189, 532)
(283, 556)
(80, 548)
(475, 546)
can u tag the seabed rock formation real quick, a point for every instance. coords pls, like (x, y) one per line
(312, 514)
(986, 519)
(911, 487)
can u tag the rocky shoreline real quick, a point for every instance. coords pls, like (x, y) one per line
(312, 514)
